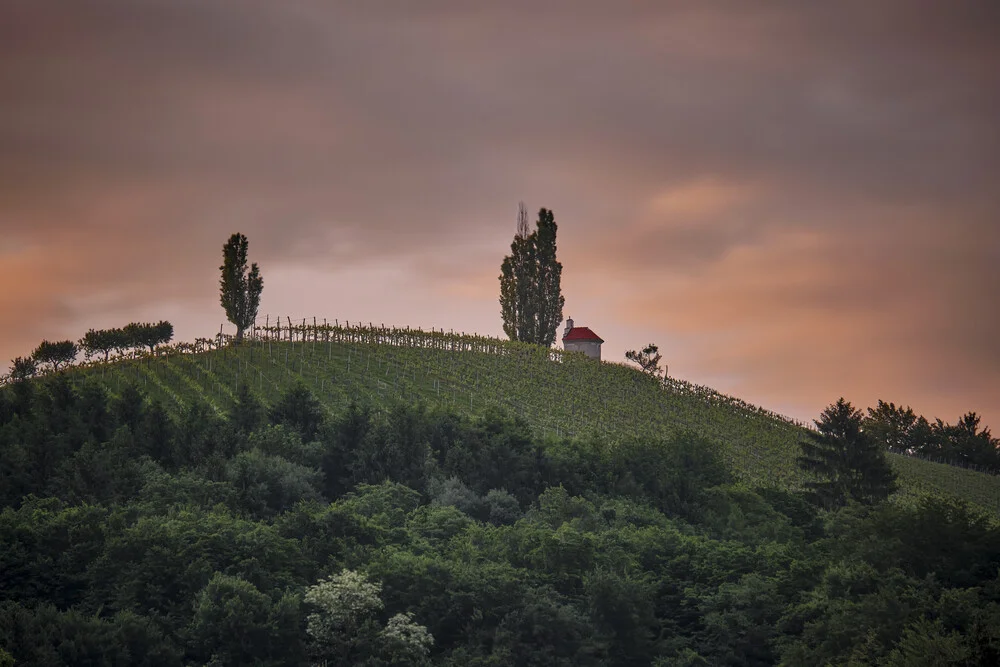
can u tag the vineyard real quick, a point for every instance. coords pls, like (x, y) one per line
(557, 393)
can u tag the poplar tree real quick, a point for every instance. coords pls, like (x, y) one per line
(517, 276)
(549, 299)
(239, 289)
(531, 301)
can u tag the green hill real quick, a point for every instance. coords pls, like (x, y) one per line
(394, 534)
(556, 393)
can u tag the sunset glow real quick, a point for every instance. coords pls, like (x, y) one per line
(796, 202)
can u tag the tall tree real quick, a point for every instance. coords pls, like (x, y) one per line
(531, 300)
(239, 289)
(846, 461)
(549, 299)
(900, 429)
(517, 275)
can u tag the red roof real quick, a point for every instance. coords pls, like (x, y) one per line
(582, 333)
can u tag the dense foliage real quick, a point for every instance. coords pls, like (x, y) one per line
(288, 533)
(554, 391)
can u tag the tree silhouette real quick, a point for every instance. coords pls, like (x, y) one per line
(55, 354)
(239, 289)
(518, 274)
(846, 461)
(99, 341)
(648, 359)
(150, 335)
(531, 300)
(22, 368)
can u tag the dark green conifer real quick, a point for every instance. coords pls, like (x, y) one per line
(846, 461)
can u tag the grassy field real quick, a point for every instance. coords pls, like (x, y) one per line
(558, 395)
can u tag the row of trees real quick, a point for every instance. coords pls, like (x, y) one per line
(901, 430)
(240, 288)
(132, 336)
(55, 355)
(846, 456)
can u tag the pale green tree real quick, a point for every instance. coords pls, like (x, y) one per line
(344, 628)
(405, 640)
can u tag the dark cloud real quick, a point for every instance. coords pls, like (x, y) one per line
(805, 192)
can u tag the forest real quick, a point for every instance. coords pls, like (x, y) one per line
(405, 534)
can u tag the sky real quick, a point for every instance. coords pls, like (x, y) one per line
(794, 201)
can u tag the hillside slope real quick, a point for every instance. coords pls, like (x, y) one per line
(558, 394)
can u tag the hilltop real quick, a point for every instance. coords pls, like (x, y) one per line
(558, 394)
